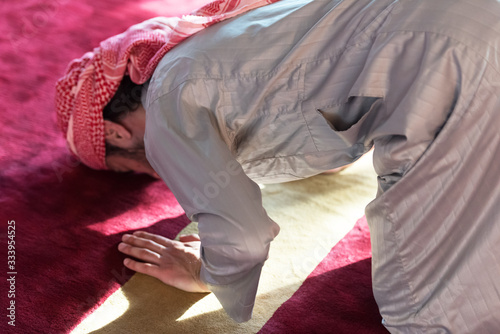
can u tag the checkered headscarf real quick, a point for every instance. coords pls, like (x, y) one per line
(91, 81)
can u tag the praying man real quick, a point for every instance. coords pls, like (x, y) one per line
(273, 91)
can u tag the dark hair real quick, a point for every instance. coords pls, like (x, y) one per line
(127, 99)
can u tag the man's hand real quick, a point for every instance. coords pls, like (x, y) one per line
(176, 263)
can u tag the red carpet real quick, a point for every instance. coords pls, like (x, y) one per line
(69, 219)
(337, 296)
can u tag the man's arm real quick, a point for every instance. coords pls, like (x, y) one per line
(184, 146)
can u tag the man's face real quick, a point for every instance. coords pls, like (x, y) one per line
(129, 136)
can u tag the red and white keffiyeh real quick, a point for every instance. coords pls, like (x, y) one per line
(91, 81)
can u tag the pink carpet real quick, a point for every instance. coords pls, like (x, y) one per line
(337, 296)
(69, 218)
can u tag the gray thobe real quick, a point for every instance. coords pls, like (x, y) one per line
(297, 87)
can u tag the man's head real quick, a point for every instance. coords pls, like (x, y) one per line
(91, 81)
(124, 126)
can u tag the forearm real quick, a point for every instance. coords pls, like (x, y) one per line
(185, 148)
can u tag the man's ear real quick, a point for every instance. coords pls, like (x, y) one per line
(117, 134)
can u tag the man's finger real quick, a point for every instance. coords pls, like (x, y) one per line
(142, 267)
(154, 237)
(189, 238)
(140, 253)
(137, 241)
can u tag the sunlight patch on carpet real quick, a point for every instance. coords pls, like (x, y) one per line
(113, 308)
(314, 214)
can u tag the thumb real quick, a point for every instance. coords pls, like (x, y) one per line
(189, 238)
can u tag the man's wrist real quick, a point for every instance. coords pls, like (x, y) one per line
(202, 285)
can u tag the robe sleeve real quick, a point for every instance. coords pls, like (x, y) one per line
(184, 145)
